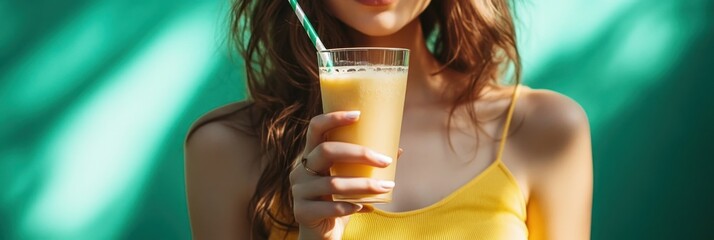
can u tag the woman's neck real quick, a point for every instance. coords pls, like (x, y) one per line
(424, 87)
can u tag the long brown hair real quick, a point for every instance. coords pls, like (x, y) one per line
(476, 38)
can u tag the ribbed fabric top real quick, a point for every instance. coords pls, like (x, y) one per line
(490, 206)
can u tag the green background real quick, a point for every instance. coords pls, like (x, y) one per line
(96, 97)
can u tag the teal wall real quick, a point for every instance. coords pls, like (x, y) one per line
(96, 96)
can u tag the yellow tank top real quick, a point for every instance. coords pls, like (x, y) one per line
(490, 206)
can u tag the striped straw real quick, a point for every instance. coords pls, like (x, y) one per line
(310, 30)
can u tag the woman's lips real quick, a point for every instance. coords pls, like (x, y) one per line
(375, 3)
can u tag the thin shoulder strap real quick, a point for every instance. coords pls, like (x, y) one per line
(504, 135)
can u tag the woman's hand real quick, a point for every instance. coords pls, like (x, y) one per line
(318, 216)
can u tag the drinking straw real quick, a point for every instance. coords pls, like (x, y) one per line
(310, 30)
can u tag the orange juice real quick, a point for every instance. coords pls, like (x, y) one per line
(378, 93)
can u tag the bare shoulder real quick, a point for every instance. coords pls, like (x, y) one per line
(225, 132)
(237, 115)
(222, 167)
(551, 123)
(554, 143)
(224, 137)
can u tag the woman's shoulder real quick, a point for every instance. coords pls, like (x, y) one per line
(239, 116)
(222, 167)
(548, 122)
(227, 132)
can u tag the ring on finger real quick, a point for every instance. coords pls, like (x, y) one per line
(309, 170)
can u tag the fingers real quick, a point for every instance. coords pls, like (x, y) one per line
(328, 153)
(320, 124)
(399, 152)
(314, 189)
(366, 208)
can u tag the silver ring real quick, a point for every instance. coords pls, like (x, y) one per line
(310, 171)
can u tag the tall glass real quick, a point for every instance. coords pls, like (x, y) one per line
(373, 81)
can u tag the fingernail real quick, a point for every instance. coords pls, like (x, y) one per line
(386, 184)
(352, 115)
(381, 157)
(367, 208)
(357, 207)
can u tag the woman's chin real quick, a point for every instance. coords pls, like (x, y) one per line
(378, 28)
(376, 32)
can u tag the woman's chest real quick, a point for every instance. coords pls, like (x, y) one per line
(432, 167)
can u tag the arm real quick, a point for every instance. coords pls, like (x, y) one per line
(561, 178)
(222, 169)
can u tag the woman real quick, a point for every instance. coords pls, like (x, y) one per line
(457, 177)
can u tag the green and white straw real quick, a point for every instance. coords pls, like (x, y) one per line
(310, 30)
